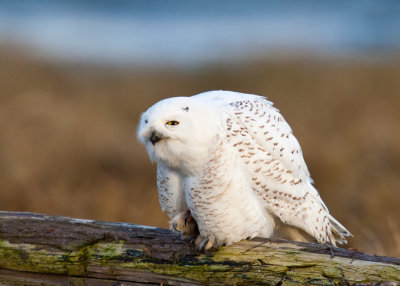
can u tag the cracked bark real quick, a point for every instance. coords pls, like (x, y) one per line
(50, 250)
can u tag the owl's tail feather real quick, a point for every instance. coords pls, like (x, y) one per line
(339, 232)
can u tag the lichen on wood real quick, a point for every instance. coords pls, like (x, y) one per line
(36, 247)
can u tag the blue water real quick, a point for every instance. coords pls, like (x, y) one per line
(191, 32)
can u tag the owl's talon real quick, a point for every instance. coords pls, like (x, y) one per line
(188, 217)
(185, 224)
(203, 244)
(173, 226)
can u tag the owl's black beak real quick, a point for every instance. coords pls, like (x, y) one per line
(155, 137)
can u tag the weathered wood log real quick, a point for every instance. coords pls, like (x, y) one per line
(38, 249)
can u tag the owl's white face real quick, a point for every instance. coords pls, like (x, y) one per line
(179, 132)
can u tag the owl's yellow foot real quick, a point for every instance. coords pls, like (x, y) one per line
(185, 224)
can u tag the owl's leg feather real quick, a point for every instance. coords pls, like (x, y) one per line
(184, 223)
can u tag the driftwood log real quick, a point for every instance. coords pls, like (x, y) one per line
(38, 249)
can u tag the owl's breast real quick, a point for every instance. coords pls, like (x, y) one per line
(223, 203)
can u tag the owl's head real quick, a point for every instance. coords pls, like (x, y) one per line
(178, 131)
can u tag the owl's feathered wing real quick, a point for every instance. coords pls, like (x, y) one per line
(171, 193)
(271, 156)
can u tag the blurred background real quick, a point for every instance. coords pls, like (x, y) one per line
(76, 75)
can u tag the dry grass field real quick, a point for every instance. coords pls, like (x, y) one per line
(68, 144)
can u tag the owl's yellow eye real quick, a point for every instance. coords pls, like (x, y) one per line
(172, 122)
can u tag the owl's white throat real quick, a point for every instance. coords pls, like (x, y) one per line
(187, 157)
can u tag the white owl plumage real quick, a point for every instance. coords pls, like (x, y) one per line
(233, 161)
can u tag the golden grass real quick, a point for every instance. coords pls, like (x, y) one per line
(68, 146)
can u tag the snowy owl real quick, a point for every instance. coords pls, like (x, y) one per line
(230, 162)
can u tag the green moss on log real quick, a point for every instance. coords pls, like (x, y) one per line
(93, 249)
(231, 264)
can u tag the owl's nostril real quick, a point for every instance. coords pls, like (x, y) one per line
(154, 138)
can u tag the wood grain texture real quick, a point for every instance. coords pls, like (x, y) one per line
(38, 249)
